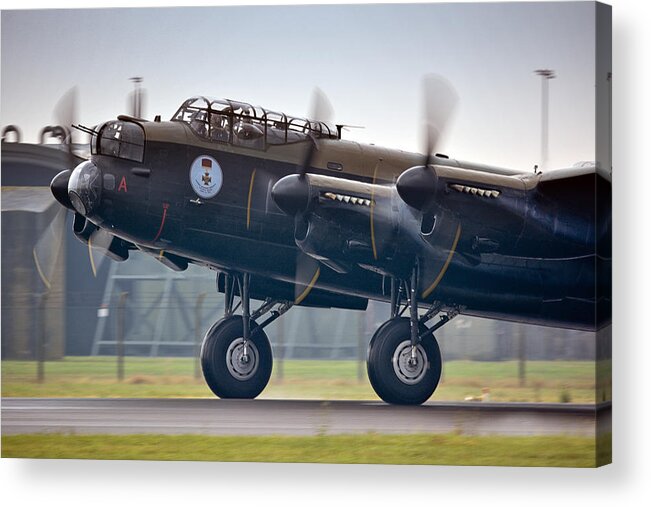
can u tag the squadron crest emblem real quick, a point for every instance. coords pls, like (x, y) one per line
(206, 176)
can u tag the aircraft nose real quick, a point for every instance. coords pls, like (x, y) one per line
(84, 188)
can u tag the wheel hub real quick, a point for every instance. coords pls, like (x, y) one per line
(240, 365)
(409, 370)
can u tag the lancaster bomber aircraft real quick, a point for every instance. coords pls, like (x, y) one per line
(287, 212)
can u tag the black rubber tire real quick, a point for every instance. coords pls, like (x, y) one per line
(371, 371)
(380, 367)
(214, 360)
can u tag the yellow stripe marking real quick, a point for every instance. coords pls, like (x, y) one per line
(429, 289)
(248, 205)
(40, 271)
(90, 256)
(160, 254)
(372, 207)
(309, 287)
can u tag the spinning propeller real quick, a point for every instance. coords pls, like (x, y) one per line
(48, 246)
(293, 194)
(320, 110)
(416, 185)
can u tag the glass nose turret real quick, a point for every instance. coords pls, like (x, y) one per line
(84, 188)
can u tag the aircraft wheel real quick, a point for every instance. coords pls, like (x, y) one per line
(227, 372)
(393, 376)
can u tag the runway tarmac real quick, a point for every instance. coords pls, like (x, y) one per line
(295, 417)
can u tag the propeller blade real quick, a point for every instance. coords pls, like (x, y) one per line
(98, 244)
(320, 110)
(416, 185)
(310, 150)
(259, 196)
(66, 109)
(308, 270)
(65, 114)
(439, 103)
(31, 199)
(48, 247)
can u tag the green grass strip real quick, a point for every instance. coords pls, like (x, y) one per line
(547, 381)
(420, 449)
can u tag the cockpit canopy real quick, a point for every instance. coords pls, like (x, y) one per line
(242, 124)
(120, 139)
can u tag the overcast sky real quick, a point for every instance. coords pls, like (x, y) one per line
(368, 59)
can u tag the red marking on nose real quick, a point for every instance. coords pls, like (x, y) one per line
(166, 206)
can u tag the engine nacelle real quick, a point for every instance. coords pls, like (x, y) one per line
(344, 222)
(116, 249)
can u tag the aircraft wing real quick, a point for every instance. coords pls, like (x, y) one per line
(342, 222)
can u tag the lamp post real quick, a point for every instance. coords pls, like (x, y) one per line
(545, 75)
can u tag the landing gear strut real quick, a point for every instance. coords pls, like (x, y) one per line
(236, 356)
(404, 359)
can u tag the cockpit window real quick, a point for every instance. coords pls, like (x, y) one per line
(241, 124)
(121, 139)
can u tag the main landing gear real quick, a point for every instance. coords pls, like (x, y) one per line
(404, 360)
(236, 355)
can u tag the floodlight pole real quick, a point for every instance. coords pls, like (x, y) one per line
(545, 75)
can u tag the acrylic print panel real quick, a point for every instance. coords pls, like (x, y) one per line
(205, 258)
